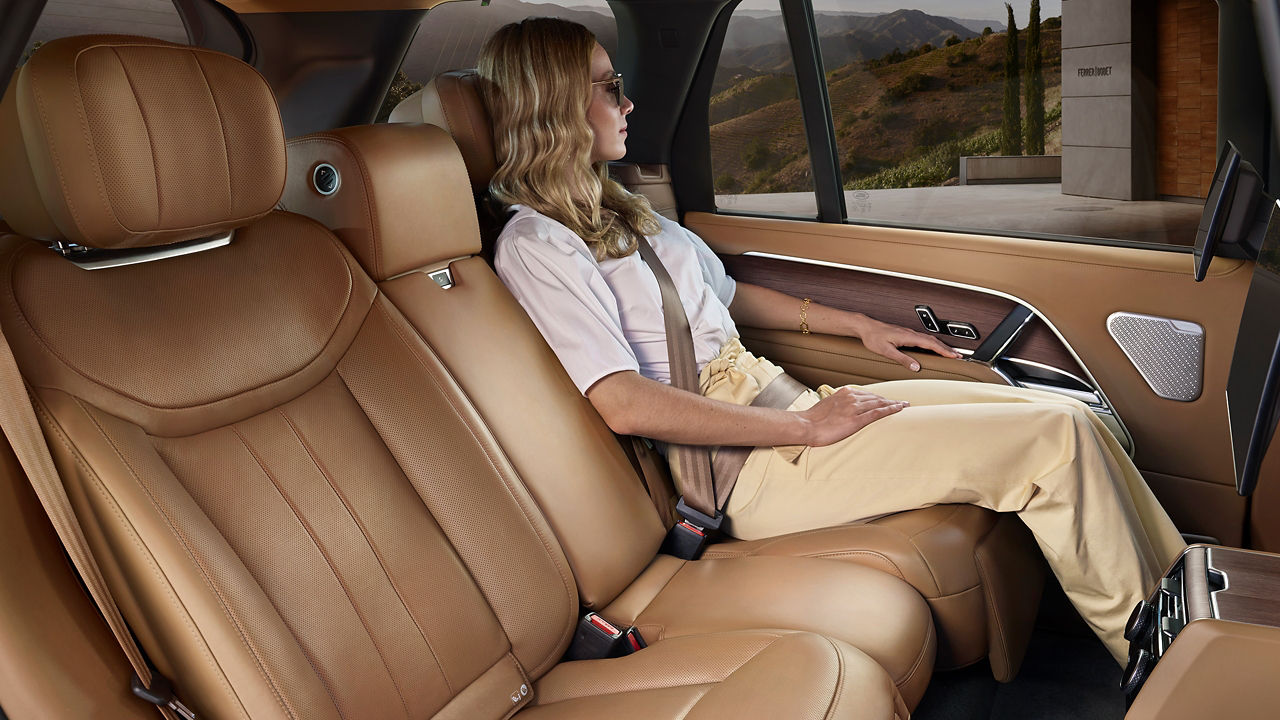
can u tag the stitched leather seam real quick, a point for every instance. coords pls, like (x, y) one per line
(993, 614)
(26, 324)
(840, 670)
(835, 555)
(365, 533)
(375, 244)
(915, 666)
(453, 396)
(775, 638)
(222, 129)
(151, 143)
(53, 153)
(158, 571)
(662, 628)
(306, 526)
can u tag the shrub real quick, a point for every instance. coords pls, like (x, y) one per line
(931, 168)
(953, 40)
(986, 31)
(757, 155)
(913, 82)
(726, 183)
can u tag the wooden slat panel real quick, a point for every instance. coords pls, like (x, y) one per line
(893, 300)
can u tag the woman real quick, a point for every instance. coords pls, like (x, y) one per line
(568, 254)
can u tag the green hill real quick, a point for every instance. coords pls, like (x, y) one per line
(887, 115)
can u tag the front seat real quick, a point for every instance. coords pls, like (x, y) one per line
(298, 510)
(980, 571)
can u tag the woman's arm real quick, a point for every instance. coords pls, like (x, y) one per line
(635, 405)
(769, 309)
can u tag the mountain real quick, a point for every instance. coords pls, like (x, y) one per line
(978, 25)
(760, 43)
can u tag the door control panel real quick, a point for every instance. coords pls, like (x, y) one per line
(954, 328)
(927, 318)
(962, 330)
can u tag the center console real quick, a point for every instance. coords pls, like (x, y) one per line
(1206, 642)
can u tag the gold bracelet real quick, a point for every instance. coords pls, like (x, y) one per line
(804, 316)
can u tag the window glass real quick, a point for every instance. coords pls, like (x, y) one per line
(759, 154)
(451, 35)
(150, 18)
(1081, 132)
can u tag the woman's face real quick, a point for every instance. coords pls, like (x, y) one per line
(607, 118)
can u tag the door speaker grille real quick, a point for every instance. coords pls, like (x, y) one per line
(1169, 354)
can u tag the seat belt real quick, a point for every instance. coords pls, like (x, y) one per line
(702, 497)
(18, 420)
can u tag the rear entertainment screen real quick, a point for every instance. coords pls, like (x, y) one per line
(1255, 370)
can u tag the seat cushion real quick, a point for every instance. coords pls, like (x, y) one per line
(740, 675)
(980, 571)
(873, 611)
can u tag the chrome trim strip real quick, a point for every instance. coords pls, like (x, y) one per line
(1088, 398)
(442, 277)
(1093, 382)
(1051, 368)
(92, 259)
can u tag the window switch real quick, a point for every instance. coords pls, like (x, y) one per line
(962, 330)
(927, 318)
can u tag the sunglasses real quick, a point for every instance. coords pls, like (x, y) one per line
(613, 86)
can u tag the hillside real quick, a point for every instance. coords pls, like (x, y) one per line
(945, 100)
(760, 43)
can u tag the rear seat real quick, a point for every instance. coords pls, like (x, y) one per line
(980, 571)
(404, 188)
(296, 504)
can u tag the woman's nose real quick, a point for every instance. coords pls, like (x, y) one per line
(627, 105)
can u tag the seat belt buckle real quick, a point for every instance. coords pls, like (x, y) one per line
(597, 638)
(687, 538)
(160, 694)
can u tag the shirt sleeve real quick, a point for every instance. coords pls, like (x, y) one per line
(712, 269)
(568, 300)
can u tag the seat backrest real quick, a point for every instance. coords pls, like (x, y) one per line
(452, 101)
(400, 190)
(297, 507)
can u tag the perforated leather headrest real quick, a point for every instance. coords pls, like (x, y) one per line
(400, 198)
(452, 101)
(117, 142)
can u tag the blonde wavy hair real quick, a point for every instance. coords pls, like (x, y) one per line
(537, 86)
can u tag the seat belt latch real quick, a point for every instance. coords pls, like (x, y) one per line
(598, 638)
(687, 538)
(160, 694)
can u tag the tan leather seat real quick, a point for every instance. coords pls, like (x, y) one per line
(980, 572)
(297, 506)
(403, 187)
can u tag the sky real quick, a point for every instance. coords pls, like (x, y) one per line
(971, 9)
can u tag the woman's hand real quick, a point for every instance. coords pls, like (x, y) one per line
(845, 412)
(885, 339)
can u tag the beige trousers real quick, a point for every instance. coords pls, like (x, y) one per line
(1044, 456)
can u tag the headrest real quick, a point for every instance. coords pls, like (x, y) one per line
(399, 200)
(117, 142)
(452, 101)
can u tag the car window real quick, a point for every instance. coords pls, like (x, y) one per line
(451, 34)
(759, 155)
(1103, 124)
(151, 18)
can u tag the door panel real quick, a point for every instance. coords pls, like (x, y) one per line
(894, 300)
(1182, 446)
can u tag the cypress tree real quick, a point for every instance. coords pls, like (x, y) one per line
(1011, 130)
(1033, 129)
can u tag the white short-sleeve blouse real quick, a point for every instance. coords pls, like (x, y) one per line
(605, 317)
